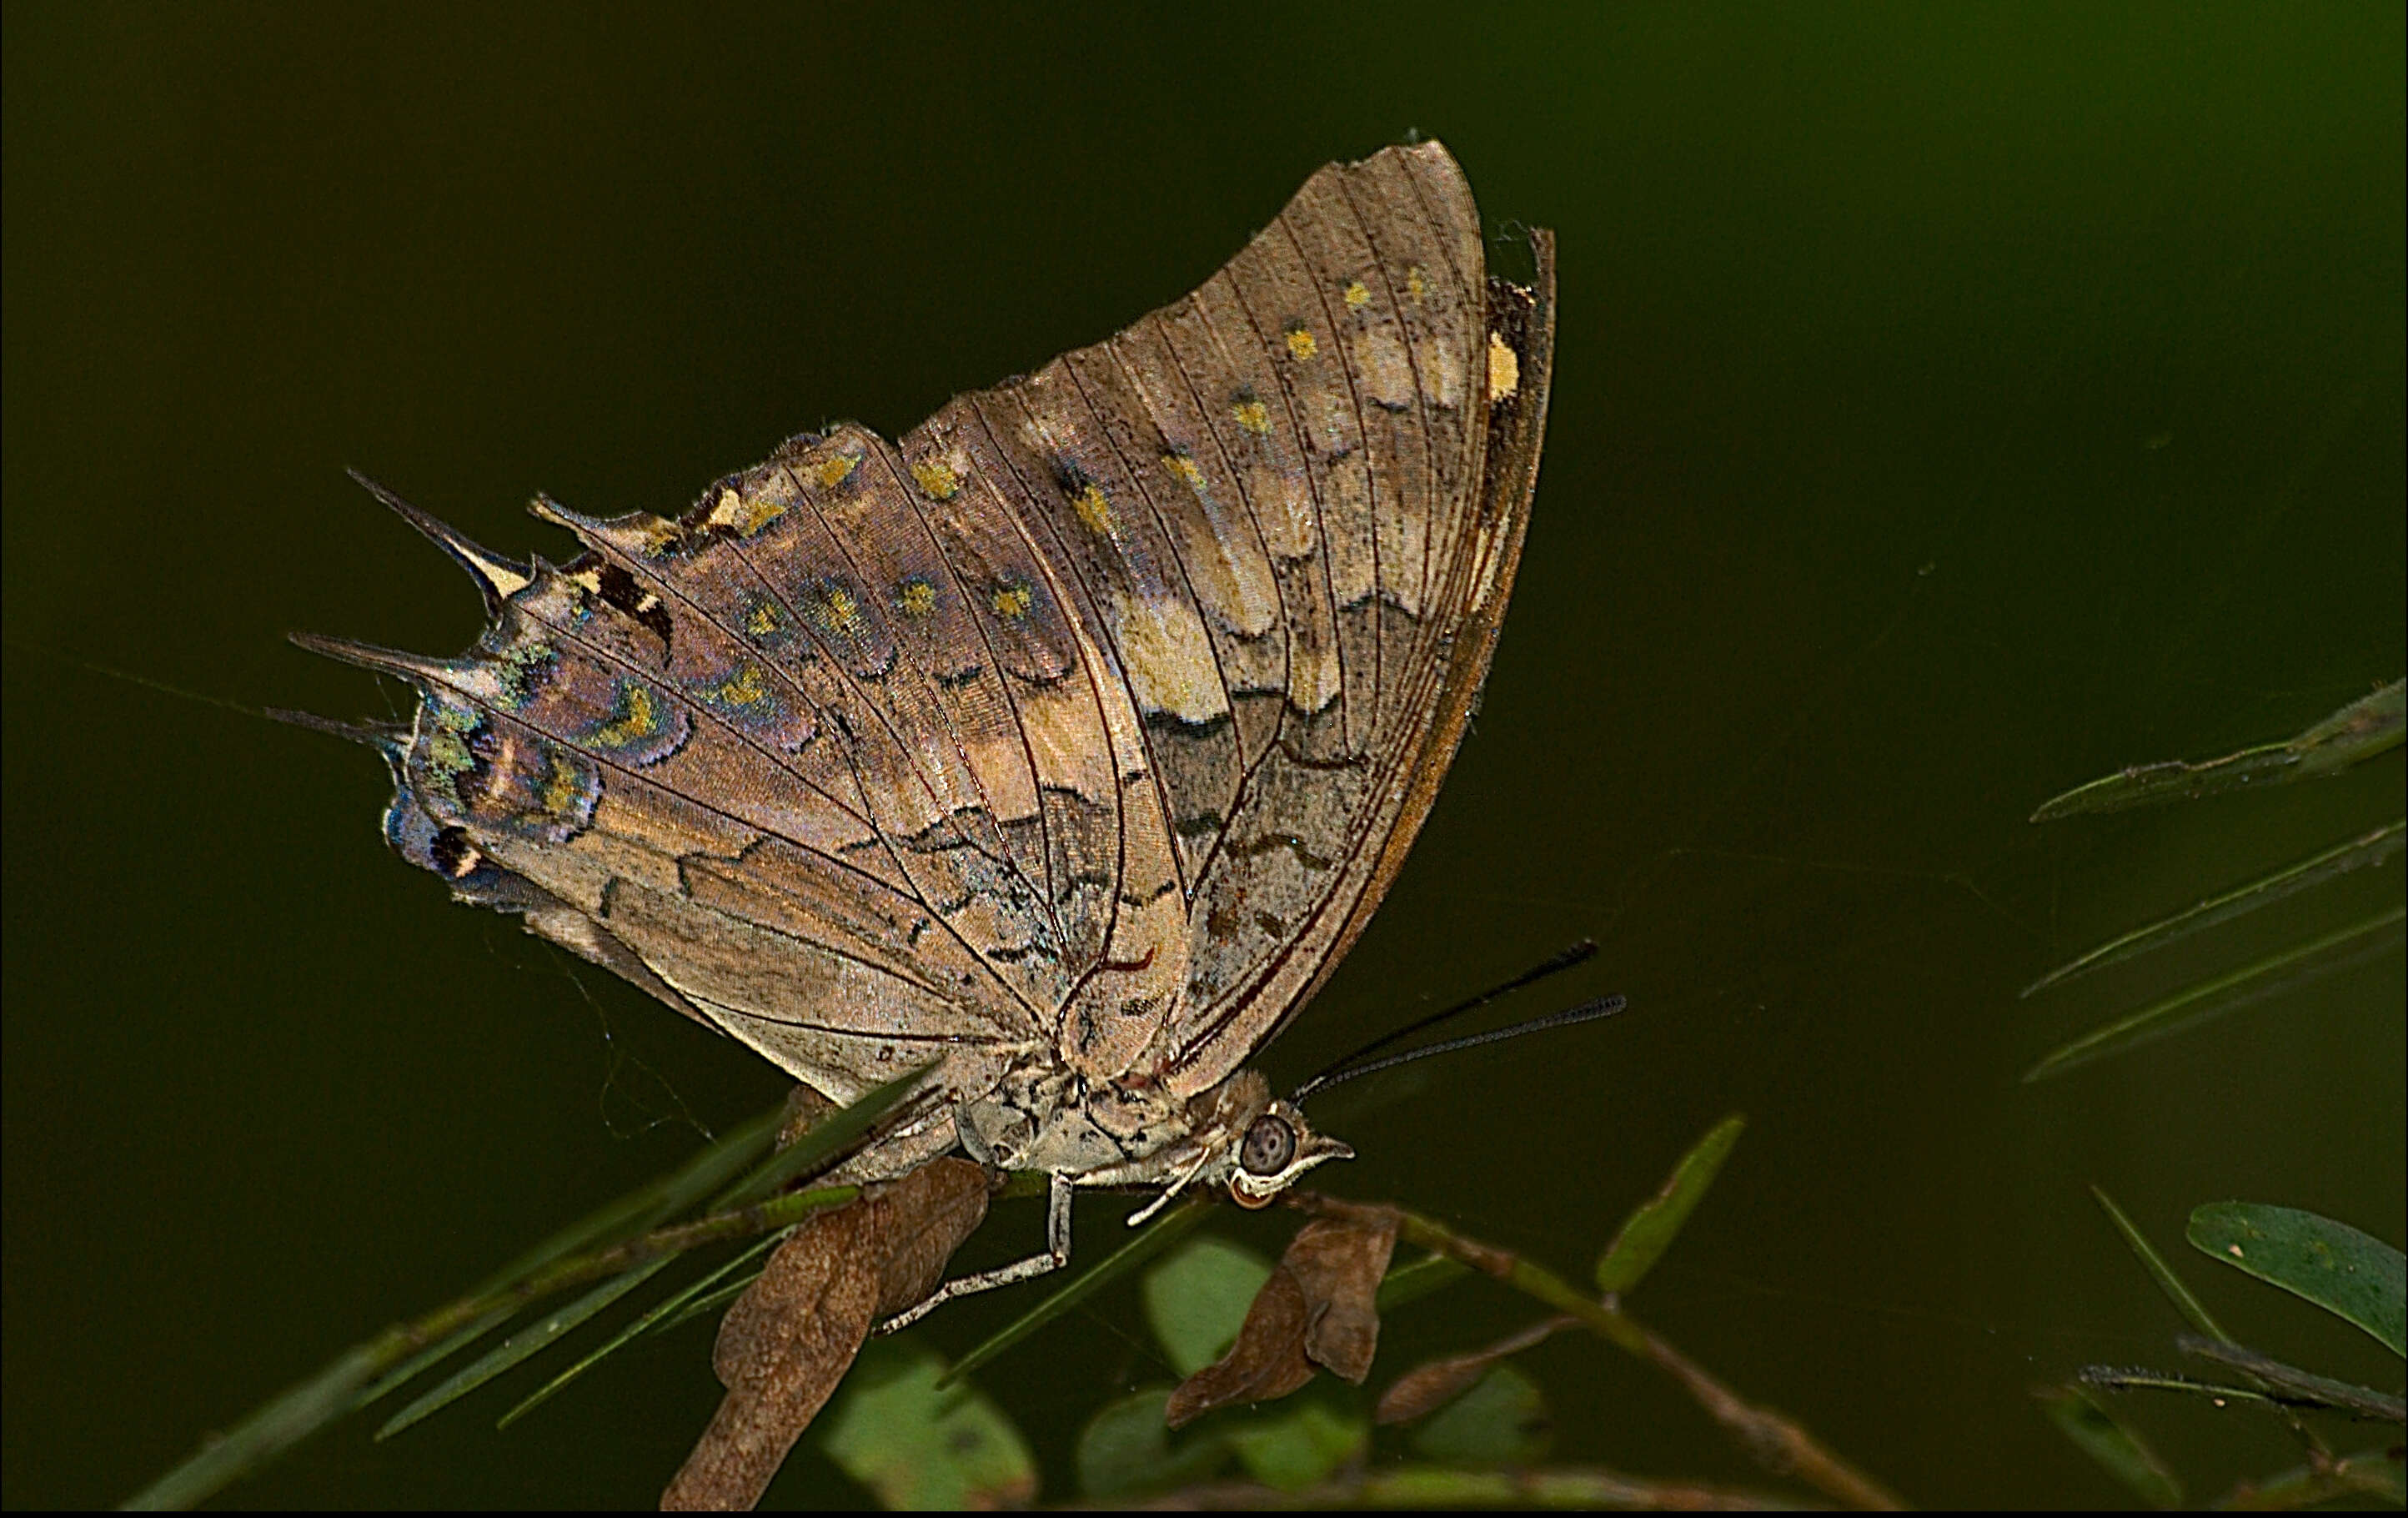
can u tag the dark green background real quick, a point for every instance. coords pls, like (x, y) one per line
(1951, 404)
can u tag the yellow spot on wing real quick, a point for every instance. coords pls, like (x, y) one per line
(742, 688)
(1168, 661)
(936, 478)
(660, 536)
(834, 470)
(762, 620)
(1504, 370)
(1012, 602)
(1358, 295)
(1094, 509)
(1184, 467)
(843, 613)
(1254, 416)
(560, 786)
(1416, 284)
(1300, 344)
(917, 598)
(637, 719)
(745, 518)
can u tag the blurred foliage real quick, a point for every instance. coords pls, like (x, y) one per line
(2348, 1274)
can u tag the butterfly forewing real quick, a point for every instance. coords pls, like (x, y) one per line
(1082, 728)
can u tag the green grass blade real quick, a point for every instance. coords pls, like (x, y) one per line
(710, 1302)
(823, 1142)
(368, 1371)
(1408, 1283)
(434, 1354)
(648, 1205)
(2299, 1387)
(2371, 1476)
(1160, 1235)
(2163, 1274)
(2359, 730)
(624, 1218)
(2369, 848)
(676, 1303)
(276, 1426)
(2121, 1379)
(2353, 1276)
(527, 1342)
(2113, 1446)
(1651, 1228)
(2158, 1270)
(814, 1149)
(2227, 992)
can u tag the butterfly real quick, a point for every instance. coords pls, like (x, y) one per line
(1062, 746)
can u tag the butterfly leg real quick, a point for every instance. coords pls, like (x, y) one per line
(1056, 1255)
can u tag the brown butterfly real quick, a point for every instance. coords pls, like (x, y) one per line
(1064, 746)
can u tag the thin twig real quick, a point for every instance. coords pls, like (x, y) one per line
(1777, 1442)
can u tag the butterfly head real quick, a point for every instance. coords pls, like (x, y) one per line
(1276, 1148)
(1258, 1144)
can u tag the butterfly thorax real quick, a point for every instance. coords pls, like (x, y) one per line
(1116, 1133)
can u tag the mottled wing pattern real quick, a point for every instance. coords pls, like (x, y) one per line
(1273, 500)
(1086, 726)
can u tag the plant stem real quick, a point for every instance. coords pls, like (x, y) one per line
(1776, 1443)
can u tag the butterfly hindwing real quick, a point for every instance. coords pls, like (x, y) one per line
(1084, 726)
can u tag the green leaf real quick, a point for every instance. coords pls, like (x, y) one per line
(2354, 1276)
(1649, 1231)
(1409, 1284)
(1158, 1235)
(1196, 1299)
(1125, 1451)
(2118, 1451)
(2366, 849)
(2163, 1274)
(918, 1447)
(1301, 1446)
(1501, 1421)
(2359, 730)
(2268, 976)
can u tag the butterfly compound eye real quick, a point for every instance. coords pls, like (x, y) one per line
(1269, 1145)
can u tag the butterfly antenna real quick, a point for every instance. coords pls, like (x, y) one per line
(1588, 1011)
(1579, 953)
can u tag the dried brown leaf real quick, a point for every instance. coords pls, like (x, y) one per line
(1316, 1309)
(1339, 1262)
(1266, 1363)
(1427, 1387)
(788, 1341)
(925, 1218)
